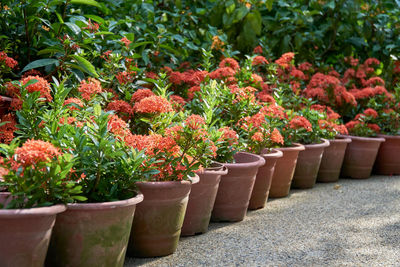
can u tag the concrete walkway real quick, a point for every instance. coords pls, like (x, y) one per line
(350, 223)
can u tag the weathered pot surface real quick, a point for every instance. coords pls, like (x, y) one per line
(308, 162)
(201, 200)
(284, 170)
(235, 188)
(92, 234)
(332, 160)
(25, 235)
(360, 156)
(388, 158)
(263, 181)
(158, 219)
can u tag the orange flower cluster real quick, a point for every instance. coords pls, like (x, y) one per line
(34, 151)
(89, 88)
(71, 121)
(41, 86)
(125, 77)
(276, 137)
(8, 61)
(92, 26)
(274, 111)
(7, 130)
(126, 41)
(195, 122)
(153, 104)
(229, 135)
(230, 63)
(258, 50)
(285, 60)
(265, 97)
(177, 102)
(299, 122)
(122, 108)
(259, 60)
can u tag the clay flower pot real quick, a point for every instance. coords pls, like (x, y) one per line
(388, 158)
(235, 188)
(360, 156)
(308, 161)
(25, 235)
(201, 200)
(4, 104)
(284, 170)
(263, 181)
(158, 220)
(92, 234)
(332, 160)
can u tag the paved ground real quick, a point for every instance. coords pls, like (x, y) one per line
(351, 223)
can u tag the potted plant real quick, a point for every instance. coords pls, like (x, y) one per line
(261, 136)
(332, 158)
(361, 152)
(96, 231)
(178, 151)
(307, 131)
(39, 179)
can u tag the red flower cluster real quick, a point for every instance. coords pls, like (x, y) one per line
(34, 151)
(229, 135)
(41, 85)
(274, 111)
(68, 102)
(230, 63)
(177, 102)
(299, 122)
(276, 137)
(7, 61)
(285, 60)
(126, 41)
(122, 108)
(141, 94)
(89, 88)
(125, 77)
(7, 130)
(92, 26)
(258, 50)
(153, 104)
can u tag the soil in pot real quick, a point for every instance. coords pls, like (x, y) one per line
(308, 162)
(284, 170)
(263, 181)
(388, 158)
(332, 160)
(235, 188)
(92, 234)
(201, 200)
(360, 156)
(158, 219)
(25, 235)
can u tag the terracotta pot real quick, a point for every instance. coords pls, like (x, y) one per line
(332, 160)
(388, 158)
(25, 235)
(260, 192)
(201, 200)
(92, 234)
(4, 104)
(235, 188)
(284, 170)
(308, 161)
(360, 156)
(4, 199)
(158, 220)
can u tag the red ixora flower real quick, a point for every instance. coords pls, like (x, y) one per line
(89, 88)
(126, 41)
(229, 135)
(125, 77)
(229, 62)
(276, 137)
(258, 50)
(8, 61)
(300, 122)
(7, 130)
(41, 85)
(122, 108)
(68, 102)
(194, 121)
(141, 94)
(153, 104)
(285, 60)
(259, 60)
(34, 151)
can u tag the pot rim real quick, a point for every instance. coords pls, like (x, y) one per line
(5, 98)
(222, 170)
(272, 155)
(256, 163)
(32, 212)
(192, 180)
(359, 138)
(388, 136)
(340, 139)
(325, 143)
(106, 205)
(295, 147)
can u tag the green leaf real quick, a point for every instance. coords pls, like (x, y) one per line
(50, 50)
(86, 2)
(86, 65)
(40, 63)
(74, 28)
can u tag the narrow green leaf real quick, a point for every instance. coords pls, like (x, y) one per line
(86, 2)
(86, 65)
(40, 63)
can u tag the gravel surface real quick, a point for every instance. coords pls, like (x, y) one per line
(349, 223)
